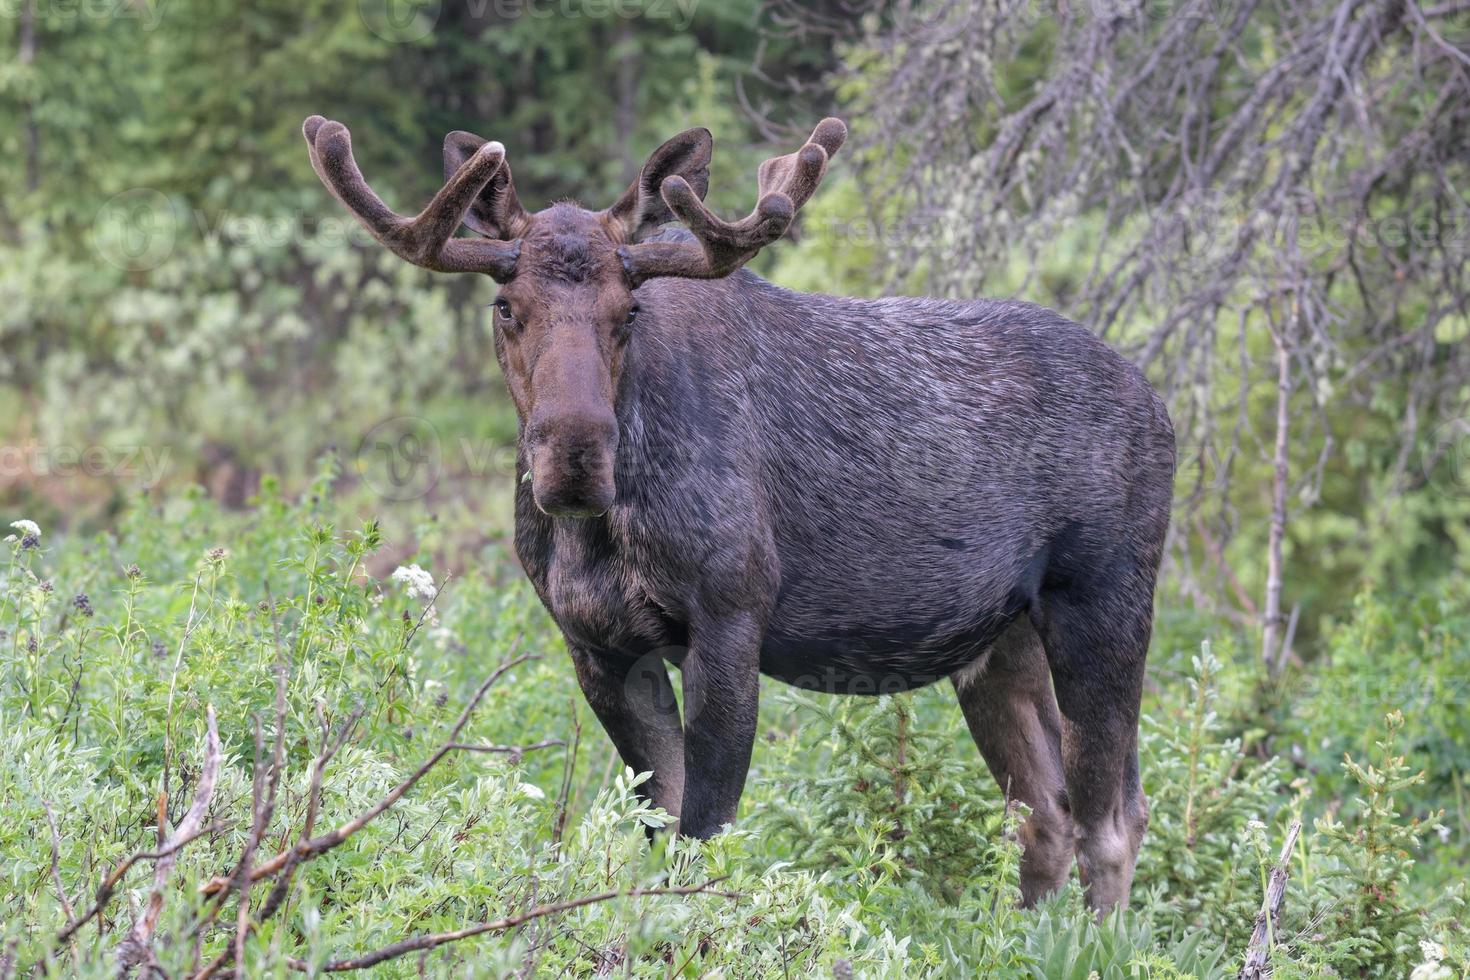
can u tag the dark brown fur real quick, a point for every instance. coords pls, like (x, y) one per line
(852, 496)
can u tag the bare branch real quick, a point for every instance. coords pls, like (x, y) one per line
(427, 942)
(109, 884)
(514, 751)
(56, 871)
(137, 947)
(317, 846)
(1268, 920)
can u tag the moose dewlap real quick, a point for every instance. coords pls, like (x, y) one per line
(855, 496)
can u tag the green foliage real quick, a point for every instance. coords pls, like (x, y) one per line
(1372, 901)
(1411, 656)
(1067, 943)
(1205, 792)
(870, 793)
(871, 839)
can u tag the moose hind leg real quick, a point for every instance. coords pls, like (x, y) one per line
(1012, 714)
(1096, 642)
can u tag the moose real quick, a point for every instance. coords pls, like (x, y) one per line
(854, 496)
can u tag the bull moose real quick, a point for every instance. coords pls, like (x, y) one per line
(854, 496)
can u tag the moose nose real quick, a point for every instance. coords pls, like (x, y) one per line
(572, 464)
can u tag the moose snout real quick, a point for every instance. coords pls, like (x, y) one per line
(572, 463)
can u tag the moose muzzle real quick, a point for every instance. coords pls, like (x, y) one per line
(572, 462)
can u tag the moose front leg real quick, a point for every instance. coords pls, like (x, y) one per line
(635, 703)
(721, 676)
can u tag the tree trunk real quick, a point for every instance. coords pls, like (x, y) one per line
(27, 57)
(1273, 650)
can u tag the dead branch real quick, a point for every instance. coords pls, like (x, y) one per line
(317, 846)
(427, 942)
(282, 886)
(264, 786)
(1268, 920)
(563, 798)
(1272, 649)
(307, 847)
(329, 748)
(56, 871)
(514, 751)
(137, 947)
(108, 887)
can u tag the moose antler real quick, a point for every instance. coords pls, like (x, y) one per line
(721, 247)
(426, 239)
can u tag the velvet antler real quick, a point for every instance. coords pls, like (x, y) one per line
(721, 247)
(426, 239)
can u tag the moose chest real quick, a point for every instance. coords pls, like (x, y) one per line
(596, 597)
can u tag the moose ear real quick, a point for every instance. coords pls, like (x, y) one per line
(496, 212)
(641, 209)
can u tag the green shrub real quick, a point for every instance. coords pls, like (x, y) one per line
(872, 840)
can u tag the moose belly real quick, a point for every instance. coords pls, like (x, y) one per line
(852, 651)
(898, 605)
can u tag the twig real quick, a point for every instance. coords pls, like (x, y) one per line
(313, 805)
(1268, 919)
(308, 847)
(563, 798)
(137, 947)
(282, 886)
(168, 728)
(317, 846)
(264, 786)
(109, 884)
(514, 751)
(432, 940)
(1274, 620)
(56, 870)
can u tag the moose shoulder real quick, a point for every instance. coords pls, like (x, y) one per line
(855, 496)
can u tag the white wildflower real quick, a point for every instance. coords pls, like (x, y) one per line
(531, 791)
(26, 528)
(420, 583)
(1433, 967)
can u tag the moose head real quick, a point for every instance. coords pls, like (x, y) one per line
(567, 306)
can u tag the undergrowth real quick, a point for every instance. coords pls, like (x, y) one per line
(871, 840)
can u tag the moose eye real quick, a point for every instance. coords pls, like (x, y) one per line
(632, 316)
(502, 310)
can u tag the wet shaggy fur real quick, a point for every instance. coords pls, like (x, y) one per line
(866, 496)
(854, 496)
